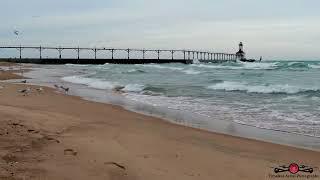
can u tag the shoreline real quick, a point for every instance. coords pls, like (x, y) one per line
(173, 116)
(80, 139)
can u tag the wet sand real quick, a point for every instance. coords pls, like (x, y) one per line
(46, 134)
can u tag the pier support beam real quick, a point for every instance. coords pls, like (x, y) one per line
(172, 52)
(20, 52)
(143, 54)
(60, 52)
(78, 53)
(40, 51)
(128, 51)
(158, 51)
(112, 53)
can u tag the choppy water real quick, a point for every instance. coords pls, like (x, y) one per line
(274, 95)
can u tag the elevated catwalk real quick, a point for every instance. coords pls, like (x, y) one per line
(132, 56)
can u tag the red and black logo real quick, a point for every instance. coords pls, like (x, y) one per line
(293, 169)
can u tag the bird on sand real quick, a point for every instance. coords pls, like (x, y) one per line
(25, 91)
(65, 89)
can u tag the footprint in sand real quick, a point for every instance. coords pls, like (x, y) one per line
(70, 152)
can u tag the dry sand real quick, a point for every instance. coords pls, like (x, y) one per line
(49, 135)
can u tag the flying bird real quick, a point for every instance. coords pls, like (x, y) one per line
(16, 32)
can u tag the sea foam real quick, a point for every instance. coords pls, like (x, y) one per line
(191, 72)
(160, 67)
(102, 84)
(265, 89)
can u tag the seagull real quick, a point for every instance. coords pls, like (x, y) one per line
(65, 89)
(25, 91)
(16, 32)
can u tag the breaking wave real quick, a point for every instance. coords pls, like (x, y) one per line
(134, 71)
(262, 66)
(239, 66)
(102, 84)
(265, 89)
(191, 72)
(313, 66)
(160, 67)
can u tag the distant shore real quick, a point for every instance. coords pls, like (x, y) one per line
(45, 134)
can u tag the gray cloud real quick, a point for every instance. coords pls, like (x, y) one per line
(275, 29)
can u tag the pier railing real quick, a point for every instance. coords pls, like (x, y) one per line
(187, 54)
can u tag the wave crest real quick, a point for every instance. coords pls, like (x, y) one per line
(265, 89)
(102, 84)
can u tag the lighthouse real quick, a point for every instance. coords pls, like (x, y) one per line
(241, 55)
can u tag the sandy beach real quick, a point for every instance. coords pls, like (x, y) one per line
(46, 134)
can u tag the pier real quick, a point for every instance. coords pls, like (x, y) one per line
(129, 56)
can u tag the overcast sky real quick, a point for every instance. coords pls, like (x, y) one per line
(275, 29)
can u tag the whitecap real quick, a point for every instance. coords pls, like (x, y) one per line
(191, 72)
(77, 65)
(102, 84)
(135, 71)
(160, 66)
(253, 65)
(91, 82)
(216, 66)
(265, 89)
(314, 66)
(133, 88)
(294, 98)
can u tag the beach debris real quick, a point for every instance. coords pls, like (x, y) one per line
(33, 131)
(40, 89)
(52, 139)
(70, 152)
(25, 91)
(115, 164)
(66, 89)
(24, 81)
(16, 124)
